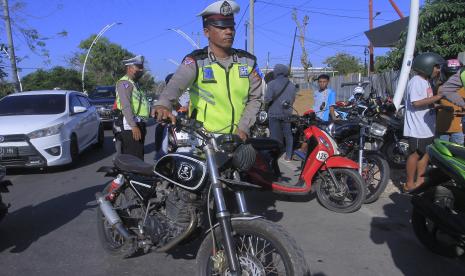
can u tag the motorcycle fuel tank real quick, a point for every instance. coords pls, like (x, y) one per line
(182, 169)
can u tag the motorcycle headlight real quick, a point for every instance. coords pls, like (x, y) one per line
(45, 131)
(262, 116)
(377, 129)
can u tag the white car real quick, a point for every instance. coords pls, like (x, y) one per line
(47, 128)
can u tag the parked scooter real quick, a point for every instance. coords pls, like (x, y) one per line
(3, 189)
(438, 216)
(338, 185)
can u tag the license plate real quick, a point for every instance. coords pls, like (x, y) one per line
(8, 151)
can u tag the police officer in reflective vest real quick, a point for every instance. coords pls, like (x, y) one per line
(133, 109)
(225, 83)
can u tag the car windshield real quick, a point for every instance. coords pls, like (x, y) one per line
(33, 105)
(103, 92)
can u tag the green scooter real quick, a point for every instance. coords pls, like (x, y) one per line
(438, 216)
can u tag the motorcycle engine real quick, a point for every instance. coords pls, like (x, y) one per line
(171, 213)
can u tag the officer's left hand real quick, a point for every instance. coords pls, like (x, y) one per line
(242, 134)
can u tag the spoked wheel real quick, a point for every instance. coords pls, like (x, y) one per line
(263, 248)
(375, 172)
(345, 196)
(109, 237)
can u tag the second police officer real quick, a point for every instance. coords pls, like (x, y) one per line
(225, 83)
(133, 109)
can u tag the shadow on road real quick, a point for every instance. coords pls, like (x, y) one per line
(23, 227)
(409, 256)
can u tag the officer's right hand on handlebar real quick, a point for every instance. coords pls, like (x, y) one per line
(162, 113)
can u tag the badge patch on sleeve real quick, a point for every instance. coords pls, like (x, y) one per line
(188, 60)
(243, 72)
(208, 75)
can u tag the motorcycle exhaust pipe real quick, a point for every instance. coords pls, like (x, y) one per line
(182, 236)
(111, 216)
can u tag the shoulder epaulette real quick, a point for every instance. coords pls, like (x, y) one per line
(241, 53)
(198, 54)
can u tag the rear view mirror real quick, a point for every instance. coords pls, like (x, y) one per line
(79, 109)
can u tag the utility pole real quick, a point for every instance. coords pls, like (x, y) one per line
(302, 30)
(292, 51)
(14, 70)
(251, 25)
(246, 26)
(372, 54)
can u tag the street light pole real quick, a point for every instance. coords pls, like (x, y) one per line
(102, 31)
(186, 37)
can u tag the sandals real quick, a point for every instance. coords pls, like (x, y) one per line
(404, 190)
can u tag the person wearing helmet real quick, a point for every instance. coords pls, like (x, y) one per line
(449, 118)
(280, 96)
(420, 117)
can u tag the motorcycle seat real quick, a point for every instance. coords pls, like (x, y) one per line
(132, 164)
(456, 150)
(264, 143)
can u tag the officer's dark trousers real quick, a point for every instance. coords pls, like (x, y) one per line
(131, 146)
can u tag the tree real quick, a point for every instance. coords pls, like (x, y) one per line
(441, 29)
(104, 65)
(344, 63)
(57, 77)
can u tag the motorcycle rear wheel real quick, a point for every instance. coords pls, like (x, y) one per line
(396, 157)
(258, 243)
(112, 242)
(353, 189)
(427, 233)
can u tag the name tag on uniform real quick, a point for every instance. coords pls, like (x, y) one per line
(243, 72)
(208, 75)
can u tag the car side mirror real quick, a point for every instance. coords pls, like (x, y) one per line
(79, 109)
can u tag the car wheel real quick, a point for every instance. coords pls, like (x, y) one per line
(74, 150)
(100, 137)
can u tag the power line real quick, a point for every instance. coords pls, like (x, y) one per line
(318, 12)
(278, 17)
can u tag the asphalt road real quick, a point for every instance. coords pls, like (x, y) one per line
(51, 230)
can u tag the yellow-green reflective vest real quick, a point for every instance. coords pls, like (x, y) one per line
(139, 103)
(219, 96)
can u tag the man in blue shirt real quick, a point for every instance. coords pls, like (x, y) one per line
(324, 99)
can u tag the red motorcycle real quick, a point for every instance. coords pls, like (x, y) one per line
(335, 179)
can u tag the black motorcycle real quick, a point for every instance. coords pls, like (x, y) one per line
(360, 141)
(438, 216)
(3, 189)
(170, 203)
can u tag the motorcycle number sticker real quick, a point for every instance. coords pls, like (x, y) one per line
(322, 156)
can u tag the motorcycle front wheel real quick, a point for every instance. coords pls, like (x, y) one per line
(375, 172)
(263, 248)
(346, 196)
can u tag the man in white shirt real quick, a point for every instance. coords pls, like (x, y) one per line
(420, 116)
